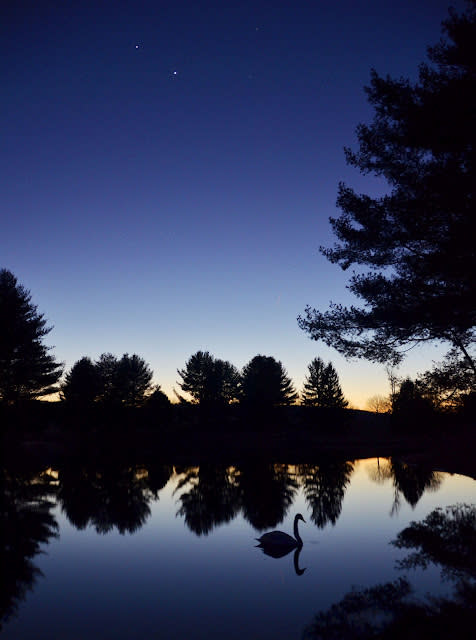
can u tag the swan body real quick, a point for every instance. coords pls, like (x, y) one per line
(278, 541)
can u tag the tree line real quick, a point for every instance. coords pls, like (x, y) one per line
(28, 370)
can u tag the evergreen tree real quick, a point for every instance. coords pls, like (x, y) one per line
(125, 381)
(210, 381)
(417, 241)
(107, 366)
(322, 387)
(27, 369)
(265, 383)
(132, 380)
(82, 385)
(112, 381)
(158, 401)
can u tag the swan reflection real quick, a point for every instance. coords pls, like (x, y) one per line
(278, 544)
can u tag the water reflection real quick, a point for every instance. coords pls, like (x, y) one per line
(276, 553)
(324, 487)
(109, 496)
(267, 492)
(119, 496)
(216, 494)
(212, 499)
(106, 498)
(409, 481)
(446, 538)
(278, 544)
(26, 522)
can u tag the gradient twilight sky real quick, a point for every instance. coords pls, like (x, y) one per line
(169, 169)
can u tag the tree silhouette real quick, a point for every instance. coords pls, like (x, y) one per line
(158, 408)
(409, 408)
(107, 366)
(123, 382)
(133, 380)
(265, 383)
(417, 240)
(321, 386)
(449, 384)
(27, 370)
(82, 384)
(208, 380)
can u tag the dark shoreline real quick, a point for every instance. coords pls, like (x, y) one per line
(451, 450)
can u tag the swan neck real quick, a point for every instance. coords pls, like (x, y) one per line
(296, 532)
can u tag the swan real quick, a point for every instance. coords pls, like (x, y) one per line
(280, 542)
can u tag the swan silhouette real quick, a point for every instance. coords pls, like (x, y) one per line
(278, 543)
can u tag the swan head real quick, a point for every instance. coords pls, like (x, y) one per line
(299, 517)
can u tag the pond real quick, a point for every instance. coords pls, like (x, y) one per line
(114, 551)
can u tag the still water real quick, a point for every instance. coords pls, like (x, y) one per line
(116, 552)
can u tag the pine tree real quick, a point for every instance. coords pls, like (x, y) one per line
(82, 384)
(209, 380)
(133, 380)
(27, 369)
(413, 246)
(321, 386)
(113, 381)
(265, 383)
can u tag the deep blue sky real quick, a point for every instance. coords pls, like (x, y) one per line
(168, 170)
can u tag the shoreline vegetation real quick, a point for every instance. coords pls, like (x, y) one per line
(186, 436)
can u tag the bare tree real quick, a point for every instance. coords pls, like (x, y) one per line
(379, 404)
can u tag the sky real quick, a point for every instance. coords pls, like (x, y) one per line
(169, 169)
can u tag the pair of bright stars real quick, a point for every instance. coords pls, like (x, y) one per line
(138, 46)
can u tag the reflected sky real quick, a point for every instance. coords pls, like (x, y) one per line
(170, 578)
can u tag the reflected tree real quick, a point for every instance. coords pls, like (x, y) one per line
(212, 497)
(447, 537)
(157, 477)
(412, 481)
(267, 492)
(324, 486)
(380, 472)
(26, 523)
(79, 494)
(108, 497)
